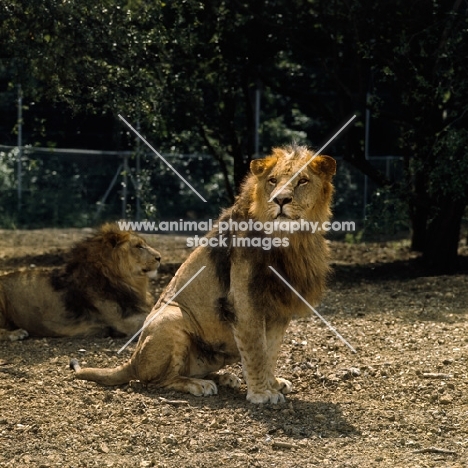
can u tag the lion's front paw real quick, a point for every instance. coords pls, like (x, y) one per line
(200, 387)
(283, 385)
(229, 380)
(267, 396)
(18, 335)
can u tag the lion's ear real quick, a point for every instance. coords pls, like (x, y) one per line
(259, 166)
(324, 165)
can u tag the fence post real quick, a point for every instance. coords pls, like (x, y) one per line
(125, 187)
(366, 152)
(20, 146)
(138, 175)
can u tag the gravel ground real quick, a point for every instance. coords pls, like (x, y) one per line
(400, 401)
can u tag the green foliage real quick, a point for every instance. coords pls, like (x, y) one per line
(174, 199)
(93, 56)
(354, 237)
(449, 174)
(7, 172)
(387, 215)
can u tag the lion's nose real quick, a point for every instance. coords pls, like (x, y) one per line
(158, 258)
(281, 201)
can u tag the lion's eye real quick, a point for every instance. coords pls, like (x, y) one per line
(141, 247)
(303, 181)
(272, 180)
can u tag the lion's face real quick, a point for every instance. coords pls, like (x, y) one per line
(127, 254)
(141, 258)
(307, 196)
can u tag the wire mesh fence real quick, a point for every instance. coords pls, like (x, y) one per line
(75, 188)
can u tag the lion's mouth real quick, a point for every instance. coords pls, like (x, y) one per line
(282, 214)
(150, 273)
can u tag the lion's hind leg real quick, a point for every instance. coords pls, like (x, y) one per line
(171, 355)
(197, 387)
(6, 334)
(13, 335)
(226, 379)
(203, 387)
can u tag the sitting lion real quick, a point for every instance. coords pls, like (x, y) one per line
(102, 290)
(237, 308)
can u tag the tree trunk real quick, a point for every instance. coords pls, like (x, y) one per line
(418, 215)
(440, 252)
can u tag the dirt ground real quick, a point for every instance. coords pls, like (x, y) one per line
(400, 401)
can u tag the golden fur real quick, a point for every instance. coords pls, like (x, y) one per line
(101, 290)
(237, 308)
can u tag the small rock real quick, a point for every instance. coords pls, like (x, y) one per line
(282, 445)
(170, 439)
(104, 448)
(214, 424)
(333, 378)
(345, 374)
(446, 399)
(166, 410)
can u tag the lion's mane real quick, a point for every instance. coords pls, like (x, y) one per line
(103, 283)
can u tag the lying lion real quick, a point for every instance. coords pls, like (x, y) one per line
(237, 308)
(102, 290)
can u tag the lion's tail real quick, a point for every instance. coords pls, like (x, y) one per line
(117, 376)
